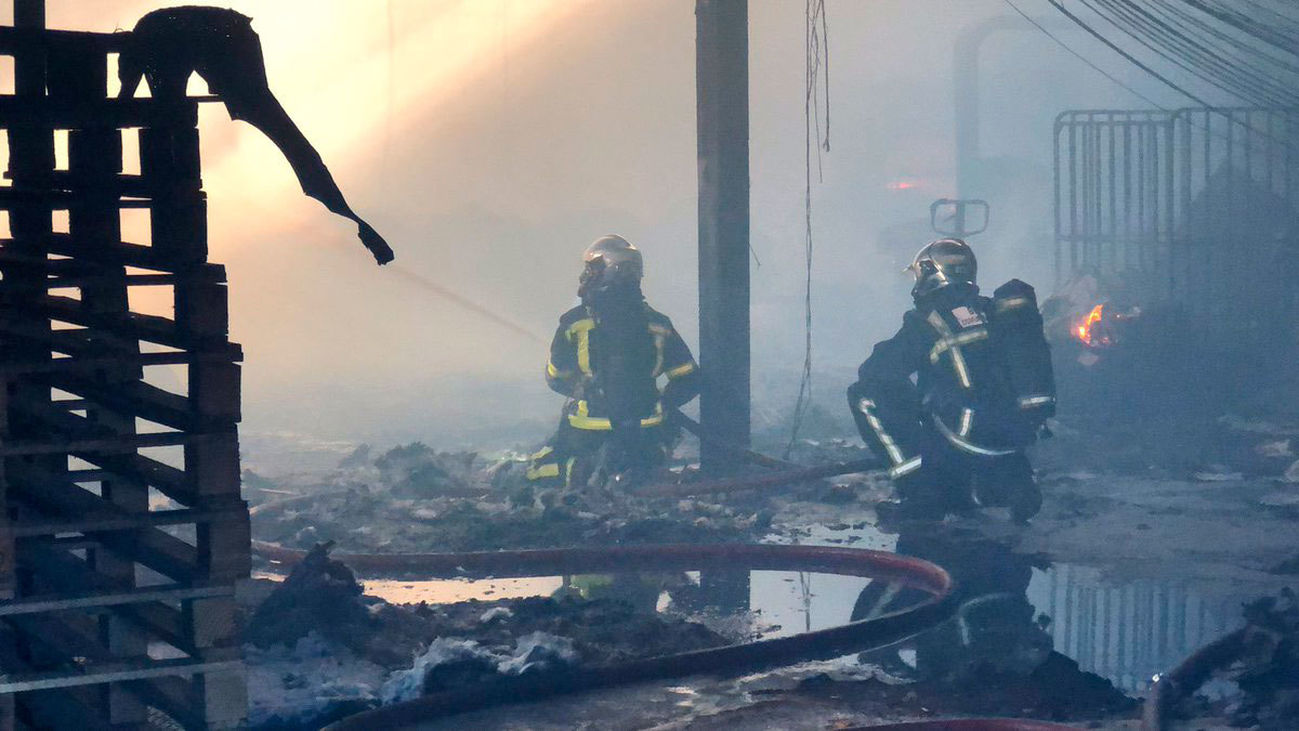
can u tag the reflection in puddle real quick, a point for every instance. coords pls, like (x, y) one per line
(1129, 631)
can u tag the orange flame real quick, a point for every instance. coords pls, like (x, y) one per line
(1084, 329)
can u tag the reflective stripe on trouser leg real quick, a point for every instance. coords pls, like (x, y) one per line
(901, 465)
(543, 471)
(1028, 402)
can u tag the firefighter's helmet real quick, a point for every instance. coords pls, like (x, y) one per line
(940, 263)
(610, 262)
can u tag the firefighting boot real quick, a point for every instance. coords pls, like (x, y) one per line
(1026, 503)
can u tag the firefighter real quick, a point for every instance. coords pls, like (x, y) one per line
(609, 356)
(956, 396)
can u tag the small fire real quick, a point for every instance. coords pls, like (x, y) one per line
(1103, 327)
(1084, 330)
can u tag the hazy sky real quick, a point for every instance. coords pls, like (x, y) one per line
(491, 140)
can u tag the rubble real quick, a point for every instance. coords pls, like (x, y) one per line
(1056, 690)
(319, 648)
(1268, 673)
(415, 499)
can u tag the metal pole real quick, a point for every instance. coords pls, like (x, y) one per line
(722, 99)
(965, 87)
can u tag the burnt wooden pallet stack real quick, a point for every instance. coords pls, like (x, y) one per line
(123, 531)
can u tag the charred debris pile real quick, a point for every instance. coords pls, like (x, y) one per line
(1257, 685)
(320, 649)
(415, 499)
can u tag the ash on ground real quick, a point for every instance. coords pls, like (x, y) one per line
(415, 499)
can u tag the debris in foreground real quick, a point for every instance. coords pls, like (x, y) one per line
(320, 649)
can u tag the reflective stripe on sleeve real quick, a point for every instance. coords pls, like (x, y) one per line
(544, 471)
(967, 422)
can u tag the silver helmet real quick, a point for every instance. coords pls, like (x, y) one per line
(611, 261)
(940, 263)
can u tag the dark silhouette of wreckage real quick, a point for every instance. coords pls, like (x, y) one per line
(218, 44)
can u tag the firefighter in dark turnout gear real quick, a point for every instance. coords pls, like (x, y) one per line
(608, 356)
(956, 396)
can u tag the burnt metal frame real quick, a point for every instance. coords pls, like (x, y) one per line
(95, 582)
(1126, 183)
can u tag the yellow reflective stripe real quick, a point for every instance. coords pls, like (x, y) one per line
(895, 454)
(658, 354)
(580, 334)
(681, 370)
(553, 372)
(541, 453)
(965, 338)
(1011, 303)
(906, 468)
(660, 330)
(953, 343)
(568, 470)
(1028, 402)
(967, 421)
(581, 419)
(968, 446)
(543, 471)
(962, 371)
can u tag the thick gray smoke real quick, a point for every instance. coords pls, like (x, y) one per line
(564, 124)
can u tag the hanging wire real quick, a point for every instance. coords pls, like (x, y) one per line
(1212, 66)
(1083, 58)
(1231, 16)
(816, 137)
(1058, 5)
(1197, 25)
(1231, 120)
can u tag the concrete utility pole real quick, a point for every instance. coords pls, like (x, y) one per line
(722, 101)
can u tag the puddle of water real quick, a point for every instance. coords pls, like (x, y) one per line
(450, 591)
(1130, 631)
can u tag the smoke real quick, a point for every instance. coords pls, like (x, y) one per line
(490, 141)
